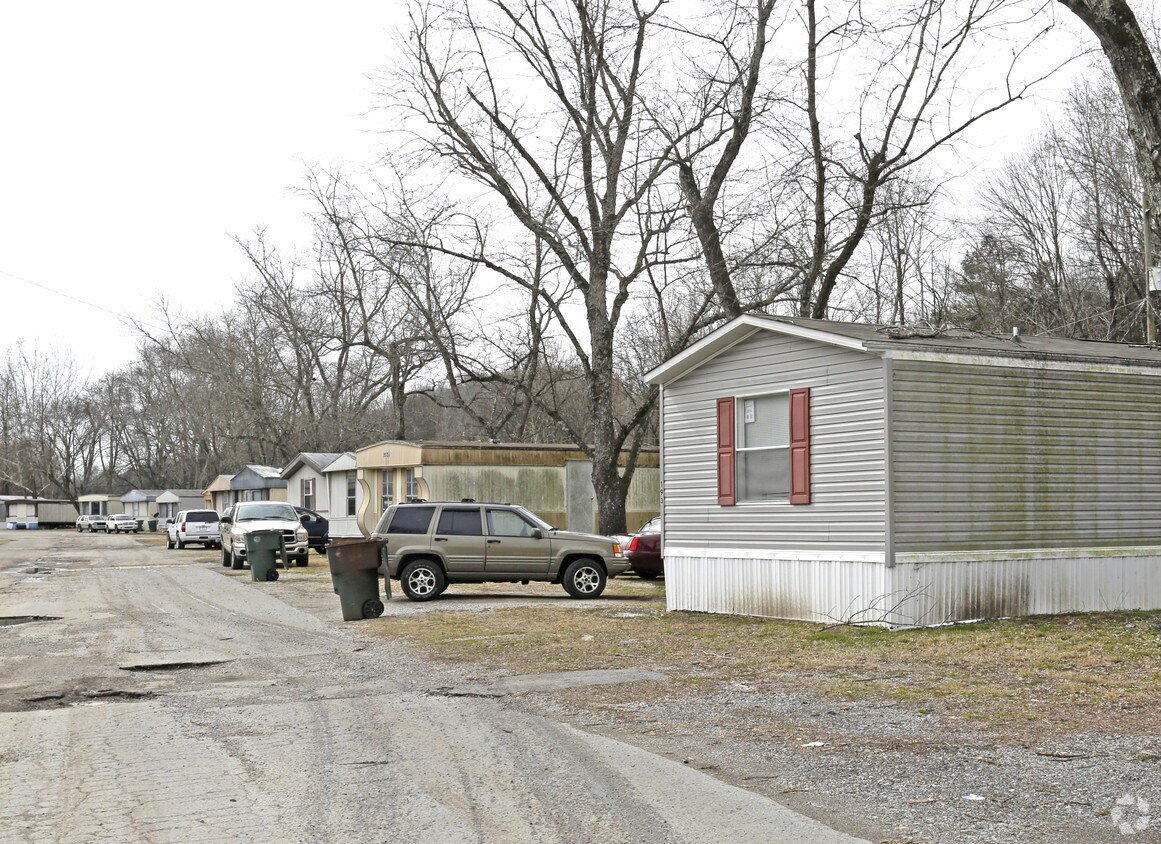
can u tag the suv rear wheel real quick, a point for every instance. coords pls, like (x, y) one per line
(422, 580)
(584, 578)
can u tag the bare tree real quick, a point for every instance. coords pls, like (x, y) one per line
(52, 435)
(901, 278)
(363, 313)
(572, 161)
(1058, 250)
(912, 105)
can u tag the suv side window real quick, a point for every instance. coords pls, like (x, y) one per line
(460, 521)
(507, 523)
(411, 520)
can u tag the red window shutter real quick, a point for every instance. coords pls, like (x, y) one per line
(800, 446)
(727, 493)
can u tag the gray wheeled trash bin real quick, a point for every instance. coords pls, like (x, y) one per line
(354, 567)
(264, 550)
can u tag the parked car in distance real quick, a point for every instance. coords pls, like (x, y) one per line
(193, 526)
(318, 528)
(245, 516)
(122, 523)
(432, 544)
(90, 523)
(643, 550)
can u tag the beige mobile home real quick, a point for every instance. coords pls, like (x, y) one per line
(554, 481)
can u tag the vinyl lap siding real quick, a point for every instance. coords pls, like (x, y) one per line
(1023, 458)
(847, 450)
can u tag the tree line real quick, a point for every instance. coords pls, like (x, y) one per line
(572, 192)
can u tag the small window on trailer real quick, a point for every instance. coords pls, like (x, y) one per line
(763, 448)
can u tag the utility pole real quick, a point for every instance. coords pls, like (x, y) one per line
(1147, 243)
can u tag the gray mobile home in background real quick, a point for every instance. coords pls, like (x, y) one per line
(827, 471)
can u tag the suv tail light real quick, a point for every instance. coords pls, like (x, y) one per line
(632, 544)
(183, 527)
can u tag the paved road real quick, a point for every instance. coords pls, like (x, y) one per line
(148, 696)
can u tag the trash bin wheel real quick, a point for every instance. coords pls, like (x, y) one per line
(272, 574)
(372, 608)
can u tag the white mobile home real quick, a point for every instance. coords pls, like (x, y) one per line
(827, 471)
(141, 503)
(258, 483)
(319, 481)
(172, 501)
(306, 485)
(99, 504)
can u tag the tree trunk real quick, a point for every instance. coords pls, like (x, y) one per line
(1135, 69)
(701, 214)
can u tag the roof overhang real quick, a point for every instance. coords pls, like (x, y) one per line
(730, 335)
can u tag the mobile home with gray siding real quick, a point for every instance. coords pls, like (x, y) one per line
(826, 471)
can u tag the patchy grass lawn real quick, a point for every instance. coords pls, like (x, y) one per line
(1073, 672)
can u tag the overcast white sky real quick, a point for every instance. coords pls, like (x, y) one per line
(137, 137)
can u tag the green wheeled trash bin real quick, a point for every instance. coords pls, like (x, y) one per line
(354, 566)
(264, 549)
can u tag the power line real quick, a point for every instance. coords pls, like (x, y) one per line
(124, 320)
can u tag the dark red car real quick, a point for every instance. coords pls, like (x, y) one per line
(643, 550)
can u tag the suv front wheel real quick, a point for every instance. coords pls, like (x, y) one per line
(584, 578)
(422, 580)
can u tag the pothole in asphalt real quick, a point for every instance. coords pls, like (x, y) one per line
(13, 620)
(82, 697)
(173, 666)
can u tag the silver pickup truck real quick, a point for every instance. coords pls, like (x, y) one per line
(246, 516)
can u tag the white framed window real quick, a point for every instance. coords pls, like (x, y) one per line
(386, 490)
(352, 485)
(763, 447)
(308, 493)
(412, 485)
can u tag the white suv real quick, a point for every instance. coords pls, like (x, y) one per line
(90, 523)
(247, 516)
(193, 526)
(122, 523)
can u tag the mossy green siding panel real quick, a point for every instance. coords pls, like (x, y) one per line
(1005, 457)
(538, 488)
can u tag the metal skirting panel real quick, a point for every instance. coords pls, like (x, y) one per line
(806, 587)
(920, 590)
(1006, 584)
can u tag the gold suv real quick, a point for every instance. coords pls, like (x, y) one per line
(432, 544)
